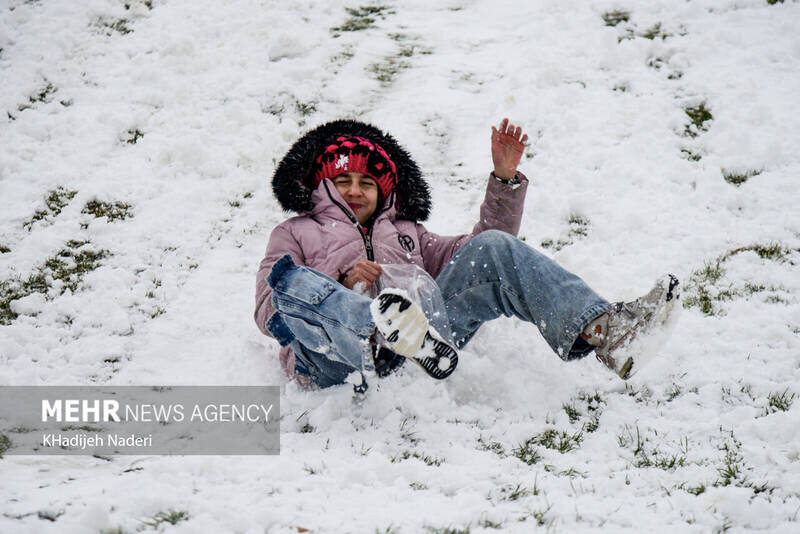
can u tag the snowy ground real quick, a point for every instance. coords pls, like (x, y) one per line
(135, 151)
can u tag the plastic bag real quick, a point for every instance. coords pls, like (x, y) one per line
(421, 288)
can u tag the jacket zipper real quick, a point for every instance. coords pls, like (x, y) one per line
(366, 237)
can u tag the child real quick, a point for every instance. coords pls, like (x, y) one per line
(361, 199)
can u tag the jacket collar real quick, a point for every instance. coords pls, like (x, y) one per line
(329, 204)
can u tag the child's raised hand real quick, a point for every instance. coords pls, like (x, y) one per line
(508, 144)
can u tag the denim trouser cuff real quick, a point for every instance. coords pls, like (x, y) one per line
(574, 330)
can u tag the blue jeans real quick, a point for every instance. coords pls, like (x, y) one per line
(329, 327)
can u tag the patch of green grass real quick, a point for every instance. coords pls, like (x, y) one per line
(5, 444)
(645, 455)
(41, 96)
(527, 452)
(173, 517)
(594, 401)
(577, 229)
(578, 225)
(492, 446)
(773, 2)
(515, 492)
(698, 115)
(733, 470)
(732, 467)
(307, 429)
(9, 292)
(540, 516)
(779, 402)
(703, 288)
(558, 440)
(655, 62)
(311, 470)
(119, 26)
(4, 249)
(132, 136)
(418, 486)
(69, 266)
(612, 18)
(772, 251)
(410, 50)
(147, 3)
(447, 530)
(432, 461)
(50, 515)
(361, 18)
(738, 178)
(44, 94)
(572, 473)
(369, 11)
(355, 24)
(55, 201)
(572, 412)
(387, 70)
(306, 108)
(654, 31)
(113, 211)
(487, 523)
(691, 155)
(72, 263)
(696, 490)
(593, 424)
(626, 36)
(343, 57)
(640, 394)
(590, 404)
(673, 393)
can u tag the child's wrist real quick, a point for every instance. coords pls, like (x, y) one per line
(505, 177)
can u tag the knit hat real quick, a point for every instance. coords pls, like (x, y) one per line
(356, 154)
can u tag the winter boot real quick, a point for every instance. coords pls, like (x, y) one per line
(406, 332)
(613, 331)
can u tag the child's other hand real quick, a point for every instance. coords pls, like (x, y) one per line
(363, 271)
(508, 144)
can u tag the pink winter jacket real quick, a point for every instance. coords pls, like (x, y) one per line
(326, 240)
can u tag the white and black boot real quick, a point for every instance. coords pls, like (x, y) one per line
(406, 331)
(614, 331)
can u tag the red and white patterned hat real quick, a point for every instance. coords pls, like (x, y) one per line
(356, 154)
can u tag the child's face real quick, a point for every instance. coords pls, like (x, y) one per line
(360, 192)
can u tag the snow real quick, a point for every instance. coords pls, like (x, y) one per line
(181, 110)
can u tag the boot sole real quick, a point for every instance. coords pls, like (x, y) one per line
(394, 313)
(437, 358)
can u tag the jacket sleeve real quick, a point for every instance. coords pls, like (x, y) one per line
(281, 242)
(501, 210)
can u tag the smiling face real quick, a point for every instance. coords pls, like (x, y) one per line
(360, 192)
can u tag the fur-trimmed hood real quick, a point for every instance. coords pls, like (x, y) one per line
(292, 182)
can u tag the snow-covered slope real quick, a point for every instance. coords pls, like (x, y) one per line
(136, 146)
